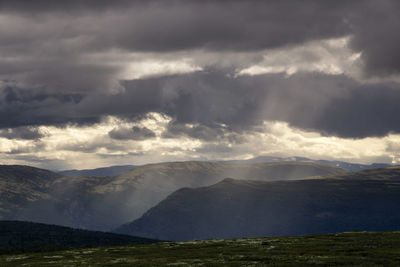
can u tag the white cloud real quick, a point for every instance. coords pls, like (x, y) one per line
(147, 68)
(331, 56)
(91, 146)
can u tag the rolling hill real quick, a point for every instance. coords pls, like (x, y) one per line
(366, 200)
(19, 236)
(103, 203)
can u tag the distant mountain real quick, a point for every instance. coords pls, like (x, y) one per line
(103, 203)
(22, 185)
(143, 187)
(106, 171)
(18, 236)
(340, 164)
(367, 200)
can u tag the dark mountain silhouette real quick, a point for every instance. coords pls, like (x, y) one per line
(19, 236)
(365, 200)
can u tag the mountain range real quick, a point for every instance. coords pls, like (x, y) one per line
(103, 203)
(104, 171)
(347, 166)
(365, 200)
(118, 170)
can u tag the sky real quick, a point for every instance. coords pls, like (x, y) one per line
(91, 83)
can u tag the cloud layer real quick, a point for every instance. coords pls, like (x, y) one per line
(219, 70)
(330, 104)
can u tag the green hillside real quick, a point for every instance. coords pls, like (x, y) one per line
(345, 249)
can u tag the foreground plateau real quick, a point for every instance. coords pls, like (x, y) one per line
(349, 249)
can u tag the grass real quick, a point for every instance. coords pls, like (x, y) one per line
(349, 249)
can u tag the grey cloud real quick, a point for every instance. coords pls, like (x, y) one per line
(72, 5)
(26, 149)
(53, 45)
(231, 25)
(202, 132)
(368, 110)
(92, 146)
(374, 29)
(197, 131)
(215, 149)
(172, 25)
(331, 104)
(134, 133)
(25, 133)
(48, 49)
(24, 107)
(393, 147)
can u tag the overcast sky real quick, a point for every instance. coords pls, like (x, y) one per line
(90, 83)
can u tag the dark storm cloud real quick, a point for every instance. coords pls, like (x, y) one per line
(48, 47)
(134, 133)
(231, 25)
(333, 105)
(52, 52)
(51, 5)
(72, 27)
(368, 110)
(25, 133)
(179, 25)
(23, 107)
(174, 25)
(375, 34)
(218, 104)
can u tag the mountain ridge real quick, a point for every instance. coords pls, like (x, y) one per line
(102, 171)
(243, 208)
(90, 202)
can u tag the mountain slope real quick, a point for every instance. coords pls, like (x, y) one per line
(106, 171)
(18, 236)
(238, 208)
(143, 187)
(22, 185)
(103, 203)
